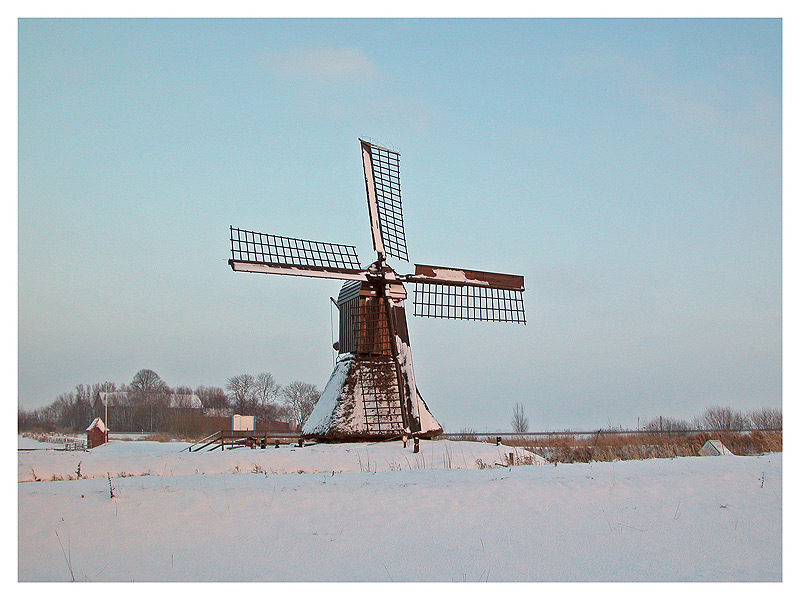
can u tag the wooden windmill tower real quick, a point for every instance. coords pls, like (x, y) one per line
(372, 393)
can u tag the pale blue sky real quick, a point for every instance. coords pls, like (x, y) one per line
(629, 169)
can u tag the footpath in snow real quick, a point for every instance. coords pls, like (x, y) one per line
(360, 512)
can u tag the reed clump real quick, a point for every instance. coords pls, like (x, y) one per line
(610, 446)
(157, 437)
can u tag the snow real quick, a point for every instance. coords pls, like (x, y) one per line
(340, 410)
(25, 443)
(379, 512)
(450, 275)
(320, 419)
(98, 422)
(137, 458)
(427, 422)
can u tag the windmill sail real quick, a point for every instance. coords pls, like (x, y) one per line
(382, 178)
(255, 252)
(451, 276)
(450, 293)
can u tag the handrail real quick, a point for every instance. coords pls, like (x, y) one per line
(229, 437)
(189, 447)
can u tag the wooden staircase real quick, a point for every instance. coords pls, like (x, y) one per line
(230, 438)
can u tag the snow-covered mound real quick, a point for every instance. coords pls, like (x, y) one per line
(125, 459)
(26, 443)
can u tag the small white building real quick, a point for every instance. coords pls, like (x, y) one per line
(243, 423)
(714, 448)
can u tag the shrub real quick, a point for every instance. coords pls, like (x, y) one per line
(767, 418)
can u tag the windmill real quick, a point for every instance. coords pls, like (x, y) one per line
(372, 393)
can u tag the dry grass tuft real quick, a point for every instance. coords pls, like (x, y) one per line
(156, 438)
(468, 435)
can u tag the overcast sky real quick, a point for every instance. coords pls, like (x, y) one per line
(629, 169)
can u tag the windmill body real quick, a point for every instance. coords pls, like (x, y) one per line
(372, 393)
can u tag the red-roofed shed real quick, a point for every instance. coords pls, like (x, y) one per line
(96, 433)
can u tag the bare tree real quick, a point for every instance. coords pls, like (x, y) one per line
(28, 420)
(63, 410)
(212, 397)
(723, 418)
(52, 413)
(150, 396)
(82, 409)
(147, 383)
(519, 422)
(267, 396)
(666, 424)
(267, 390)
(767, 418)
(242, 390)
(106, 386)
(300, 398)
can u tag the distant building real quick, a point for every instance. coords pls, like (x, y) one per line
(123, 399)
(110, 399)
(125, 412)
(96, 433)
(185, 401)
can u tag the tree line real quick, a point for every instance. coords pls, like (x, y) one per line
(714, 418)
(720, 418)
(149, 404)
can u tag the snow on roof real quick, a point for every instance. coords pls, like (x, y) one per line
(98, 423)
(185, 401)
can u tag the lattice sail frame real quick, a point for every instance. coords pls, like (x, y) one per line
(382, 177)
(468, 302)
(450, 293)
(255, 247)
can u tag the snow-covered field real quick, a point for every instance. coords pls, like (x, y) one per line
(361, 512)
